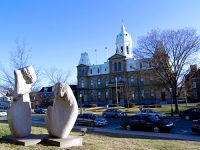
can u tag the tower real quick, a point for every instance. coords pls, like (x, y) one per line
(124, 43)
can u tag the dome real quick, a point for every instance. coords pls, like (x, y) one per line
(124, 43)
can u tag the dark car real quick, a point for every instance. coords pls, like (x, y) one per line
(114, 113)
(91, 120)
(189, 114)
(196, 126)
(39, 111)
(147, 122)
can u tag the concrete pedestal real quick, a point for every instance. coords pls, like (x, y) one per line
(68, 142)
(33, 139)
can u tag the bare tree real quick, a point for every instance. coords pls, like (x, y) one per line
(20, 57)
(170, 52)
(55, 75)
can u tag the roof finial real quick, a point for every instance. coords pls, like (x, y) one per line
(123, 28)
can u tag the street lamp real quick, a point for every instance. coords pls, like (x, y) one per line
(171, 102)
(81, 96)
(116, 90)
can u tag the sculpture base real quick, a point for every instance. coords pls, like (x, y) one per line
(68, 142)
(32, 139)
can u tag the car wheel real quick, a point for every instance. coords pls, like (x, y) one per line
(92, 124)
(156, 129)
(157, 117)
(187, 117)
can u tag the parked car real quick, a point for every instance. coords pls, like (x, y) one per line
(151, 112)
(114, 113)
(3, 113)
(196, 126)
(147, 122)
(91, 120)
(39, 110)
(189, 114)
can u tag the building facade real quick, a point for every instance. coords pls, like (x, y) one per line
(192, 84)
(121, 79)
(45, 96)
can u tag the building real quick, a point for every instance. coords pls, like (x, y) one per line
(192, 84)
(45, 96)
(5, 102)
(121, 79)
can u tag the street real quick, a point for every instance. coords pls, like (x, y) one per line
(182, 126)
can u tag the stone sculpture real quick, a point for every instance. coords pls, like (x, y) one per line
(19, 114)
(61, 117)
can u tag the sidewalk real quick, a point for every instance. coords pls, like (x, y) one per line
(141, 134)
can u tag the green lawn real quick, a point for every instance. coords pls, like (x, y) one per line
(131, 111)
(94, 141)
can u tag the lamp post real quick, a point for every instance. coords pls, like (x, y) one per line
(116, 90)
(81, 96)
(171, 102)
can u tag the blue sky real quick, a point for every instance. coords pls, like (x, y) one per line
(58, 31)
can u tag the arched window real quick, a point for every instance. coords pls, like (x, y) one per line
(115, 66)
(119, 66)
(82, 84)
(127, 49)
(121, 49)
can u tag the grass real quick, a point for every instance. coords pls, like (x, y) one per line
(92, 141)
(131, 111)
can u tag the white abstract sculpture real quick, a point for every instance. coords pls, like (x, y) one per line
(61, 117)
(19, 114)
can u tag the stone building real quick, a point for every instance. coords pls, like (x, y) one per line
(45, 96)
(121, 79)
(192, 84)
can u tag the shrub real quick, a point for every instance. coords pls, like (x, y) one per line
(152, 106)
(92, 105)
(131, 105)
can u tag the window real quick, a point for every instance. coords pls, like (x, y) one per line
(90, 71)
(98, 70)
(82, 84)
(152, 92)
(121, 49)
(91, 83)
(99, 94)
(127, 49)
(107, 93)
(119, 66)
(115, 66)
(194, 85)
(132, 79)
(142, 79)
(106, 82)
(142, 93)
(98, 82)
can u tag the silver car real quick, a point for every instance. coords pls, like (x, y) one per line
(113, 112)
(151, 112)
(91, 120)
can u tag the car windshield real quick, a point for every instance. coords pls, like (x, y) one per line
(153, 118)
